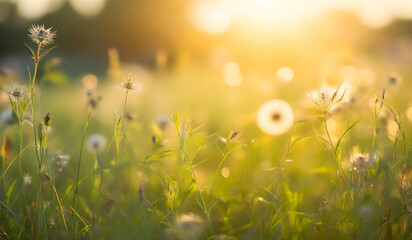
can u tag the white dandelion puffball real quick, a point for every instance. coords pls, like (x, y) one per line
(275, 117)
(96, 143)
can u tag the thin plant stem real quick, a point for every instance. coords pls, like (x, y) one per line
(80, 161)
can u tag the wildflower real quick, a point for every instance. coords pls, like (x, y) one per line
(234, 134)
(325, 98)
(41, 36)
(361, 162)
(27, 179)
(92, 100)
(96, 143)
(394, 79)
(47, 119)
(129, 85)
(16, 92)
(275, 117)
(61, 160)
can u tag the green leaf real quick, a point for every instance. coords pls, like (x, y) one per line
(31, 50)
(158, 155)
(10, 190)
(44, 53)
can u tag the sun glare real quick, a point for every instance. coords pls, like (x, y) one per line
(210, 17)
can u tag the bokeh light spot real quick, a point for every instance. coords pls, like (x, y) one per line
(88, 7)
(231, 74)
(285, 74)
(210, 17)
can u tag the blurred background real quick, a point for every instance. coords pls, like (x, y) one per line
(221, 59)
(274, 33)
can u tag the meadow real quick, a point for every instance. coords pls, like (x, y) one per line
(195, 153)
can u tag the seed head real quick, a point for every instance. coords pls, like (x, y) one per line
(41, 36)
(96, 143)
(129, 85)
(47, 119)
(274, 117)
(26, 179)
(16, 92)
(325, 98)
(61, 160)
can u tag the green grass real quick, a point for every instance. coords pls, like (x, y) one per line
(207, 171)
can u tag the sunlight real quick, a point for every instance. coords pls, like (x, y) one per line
(89, 7)
(210, 17)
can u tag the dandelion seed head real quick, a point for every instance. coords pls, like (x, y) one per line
(362, 161)
(16, 92)
(325, 98)
(27, 179)
(129, 85)
(40, 35)
(394, 79)
(96, 143)
(275, 117)
(61, 160)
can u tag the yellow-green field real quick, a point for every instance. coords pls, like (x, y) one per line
(295, 140)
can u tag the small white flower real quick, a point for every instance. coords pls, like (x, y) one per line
(61, 160)
(40, 35)
(27, 179)
(96, 143)
(16, 91)
(325, 98)
(362, 161)
(129, 85)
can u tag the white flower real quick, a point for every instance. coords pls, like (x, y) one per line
(362, 161)
(325, 98)
(129, 85)
(40, 35)
(96, 143)
(61, 160)
(26, 179)
(275, 117)
(16, 91)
